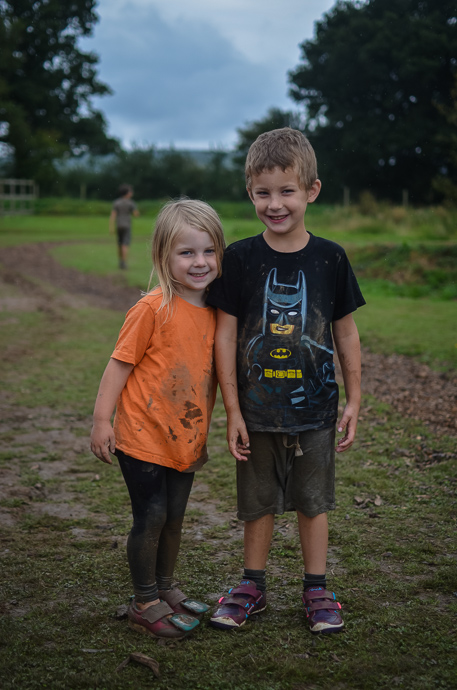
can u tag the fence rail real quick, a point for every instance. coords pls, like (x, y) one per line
(17, 197)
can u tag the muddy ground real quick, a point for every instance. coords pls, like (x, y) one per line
(413, 389)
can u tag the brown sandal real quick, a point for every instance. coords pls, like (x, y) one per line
(181, 604)
(159, 620)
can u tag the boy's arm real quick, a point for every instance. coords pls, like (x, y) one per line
(225, 349)
(102, 441)
(347, 342)
(112, 220)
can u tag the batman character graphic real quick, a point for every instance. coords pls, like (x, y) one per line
(286, 368)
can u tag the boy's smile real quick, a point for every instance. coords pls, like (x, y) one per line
(280, 202)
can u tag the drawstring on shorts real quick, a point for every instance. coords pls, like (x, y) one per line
(296, 445)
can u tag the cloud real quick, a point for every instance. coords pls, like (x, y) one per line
(178, 74)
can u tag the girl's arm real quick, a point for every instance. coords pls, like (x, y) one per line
(225, 349)
(346, 337)
(102, 441)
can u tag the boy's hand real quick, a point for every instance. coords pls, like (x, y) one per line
(348, 423)
(237, 437)
(102, 441)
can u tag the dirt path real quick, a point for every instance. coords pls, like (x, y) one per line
(413, 389)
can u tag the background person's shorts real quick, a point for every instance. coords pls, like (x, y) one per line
(124, 235)
(274, 479)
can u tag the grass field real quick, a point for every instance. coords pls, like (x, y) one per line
(392, 559)
(406, 263)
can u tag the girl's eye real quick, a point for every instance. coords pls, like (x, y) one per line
(210, 251)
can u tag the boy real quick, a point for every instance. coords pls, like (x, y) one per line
(123, 209)
(281, 296)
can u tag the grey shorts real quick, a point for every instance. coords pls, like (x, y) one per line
(124, 236)
(275, 479)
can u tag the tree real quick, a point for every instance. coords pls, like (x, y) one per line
(274, 119)
(446, 185)
(373, 81)
(46, 84)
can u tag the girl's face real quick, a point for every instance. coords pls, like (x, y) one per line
(193, 263)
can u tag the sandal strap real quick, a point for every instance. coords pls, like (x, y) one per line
(315, 594)
(325, 604)
(172, 596)
(236, 601)
(156, 612)
(249, 590)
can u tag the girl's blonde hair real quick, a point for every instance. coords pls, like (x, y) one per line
(169, 225)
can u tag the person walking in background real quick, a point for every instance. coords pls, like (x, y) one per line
(121, 219)
(161, 378)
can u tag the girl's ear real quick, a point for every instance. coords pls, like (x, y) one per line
(314, 190)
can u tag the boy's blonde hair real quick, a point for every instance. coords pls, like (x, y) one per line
(283, 148)
(168, 227)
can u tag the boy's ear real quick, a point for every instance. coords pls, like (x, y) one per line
(250, 194)
(314, 190)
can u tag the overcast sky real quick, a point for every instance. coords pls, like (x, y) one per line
(189, 72)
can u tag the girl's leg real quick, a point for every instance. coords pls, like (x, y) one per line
(147, 486)
(178, 486)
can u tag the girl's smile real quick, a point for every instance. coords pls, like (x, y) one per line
(193, 264)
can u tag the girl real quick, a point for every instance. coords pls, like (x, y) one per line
(161, 379)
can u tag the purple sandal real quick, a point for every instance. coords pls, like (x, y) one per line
(322, 610)
(242, 602)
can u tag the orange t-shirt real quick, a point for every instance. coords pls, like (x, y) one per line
(164, 411)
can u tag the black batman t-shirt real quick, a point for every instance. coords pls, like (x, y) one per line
(285, 304)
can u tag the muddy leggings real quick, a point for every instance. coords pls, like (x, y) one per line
(159, 498)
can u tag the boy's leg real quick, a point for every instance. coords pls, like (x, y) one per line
(312, 491)
(257, 540)
(314, 542)
(322, 610)
(257, 489)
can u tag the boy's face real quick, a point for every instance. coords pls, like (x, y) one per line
(280, 201)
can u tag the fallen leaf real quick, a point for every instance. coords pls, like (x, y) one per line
(141, 659)
(378, 501)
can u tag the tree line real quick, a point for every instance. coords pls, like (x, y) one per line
(376, 92)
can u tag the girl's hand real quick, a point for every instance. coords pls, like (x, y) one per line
(237, 437)
(102, 441)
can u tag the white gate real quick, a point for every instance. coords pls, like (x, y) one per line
(17, 197)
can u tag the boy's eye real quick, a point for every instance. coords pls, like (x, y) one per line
(292, 313)
(274, 311)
